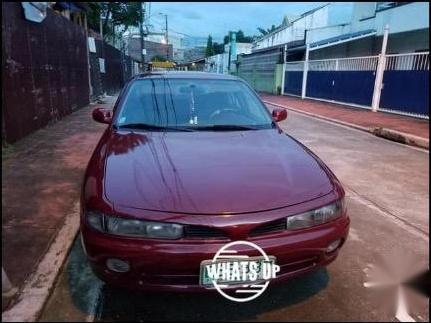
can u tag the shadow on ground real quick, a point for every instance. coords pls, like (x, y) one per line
(93, 297)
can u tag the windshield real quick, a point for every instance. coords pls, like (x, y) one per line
(198, 104)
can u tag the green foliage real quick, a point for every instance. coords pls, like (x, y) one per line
(240, 38)
(218, 48)
(210, 49)
(267, 31)
(125, 14)
(93, 15)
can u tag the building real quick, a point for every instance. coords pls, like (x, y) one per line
(348, 30)
(408, 24)
(195, 53)
(294, 30)
(152, 48)
(174, 39)
(217, 63)
(220, 63)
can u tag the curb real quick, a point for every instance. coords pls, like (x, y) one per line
(386, 133)
(37, 288)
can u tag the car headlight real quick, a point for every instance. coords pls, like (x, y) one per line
(315, 217)
(132, 227)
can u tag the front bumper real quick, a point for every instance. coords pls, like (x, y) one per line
(173, 265)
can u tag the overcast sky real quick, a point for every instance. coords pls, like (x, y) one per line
(217, 18)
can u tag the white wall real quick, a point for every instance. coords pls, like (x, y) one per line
(217, 63)
(407, 17)
(335, 13)
(317, 34)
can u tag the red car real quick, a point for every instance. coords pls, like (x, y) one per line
(190, 162)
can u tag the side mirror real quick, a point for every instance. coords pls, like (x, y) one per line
(102, 115)
(279, 114)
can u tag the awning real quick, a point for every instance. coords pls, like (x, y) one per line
(342, 39)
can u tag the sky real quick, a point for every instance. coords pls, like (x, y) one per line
(199, 19)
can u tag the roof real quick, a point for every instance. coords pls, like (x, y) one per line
(281, 27)
(344, 37)
(309, 12)
(290, 44)
(185, 74)
(335, 40)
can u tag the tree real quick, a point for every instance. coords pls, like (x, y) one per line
(125, 14)
(218, 48)
(240, 38)
(267, 31)
(210, 50)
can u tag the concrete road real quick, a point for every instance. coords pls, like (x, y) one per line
(387, 197)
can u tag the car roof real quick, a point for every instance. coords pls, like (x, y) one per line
(185, 74)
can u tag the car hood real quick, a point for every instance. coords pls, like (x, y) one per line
(207, 172)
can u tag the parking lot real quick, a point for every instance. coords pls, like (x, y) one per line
(387, 198)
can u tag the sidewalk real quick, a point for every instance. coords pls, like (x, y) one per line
(41, 183)
(399, 128)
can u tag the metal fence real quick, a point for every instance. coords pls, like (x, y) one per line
(351, 81)
(368, 63)
(44, 71)
(408, 62)
(116, 69)
(258, 69)
(406, 84)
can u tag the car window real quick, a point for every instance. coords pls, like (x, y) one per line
(192, 103)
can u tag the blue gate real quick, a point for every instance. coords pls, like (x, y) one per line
(406, 84)
(293, 82)
(343, 86)
(293, 75)
(347, 80)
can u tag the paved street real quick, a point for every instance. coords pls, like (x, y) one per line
(387, 198)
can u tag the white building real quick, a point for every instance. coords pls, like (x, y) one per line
(408, 31)
(352, 29)
(217, 63)
(220, 63)
(295, 30)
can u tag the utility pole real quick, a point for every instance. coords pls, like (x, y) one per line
(379, 72)
(167, 39)
(143, 51)
(101, 27)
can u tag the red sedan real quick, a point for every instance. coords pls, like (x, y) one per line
(190, 162)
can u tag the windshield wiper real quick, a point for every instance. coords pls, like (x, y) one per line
(147, 126)
(225, 127)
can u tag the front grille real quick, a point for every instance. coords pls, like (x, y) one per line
(196, 231)
(203, 232)
(278, 225)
